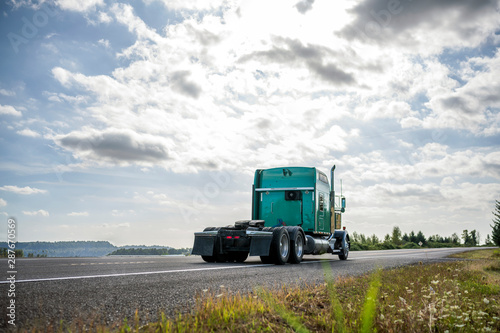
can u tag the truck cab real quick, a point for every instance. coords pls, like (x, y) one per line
(294, 212)
(296, 196)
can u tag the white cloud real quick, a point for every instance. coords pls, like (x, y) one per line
(40, 212)
(22, 190)
(28, 132)
(78, 214)
(7, 92)
(3, 203)
(407, 25)
(122, 213)
(194, 5)
(116, 146)
(8, 110)
(79, 6)
(104, 17)
(226, 86)
(475, 105)
(104, 42)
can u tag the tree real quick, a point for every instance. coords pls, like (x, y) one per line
(466, 237)
(495, 234)
(488, 241)
(396, 236)
(473, 237)
(455, 239)
(420, 237)
(374, 239)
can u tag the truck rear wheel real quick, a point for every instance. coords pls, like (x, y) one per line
(296, 246)
(280, 246)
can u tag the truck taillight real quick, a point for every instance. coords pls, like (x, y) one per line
(231, 237)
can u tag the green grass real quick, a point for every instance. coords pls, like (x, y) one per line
(459, 296)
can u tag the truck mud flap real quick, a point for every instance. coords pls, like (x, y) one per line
(260, 245)
(204, 243)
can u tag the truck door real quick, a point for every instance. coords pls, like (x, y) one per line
(284, 205)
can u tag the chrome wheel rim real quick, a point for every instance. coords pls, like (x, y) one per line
(284, 246)
(299, 246)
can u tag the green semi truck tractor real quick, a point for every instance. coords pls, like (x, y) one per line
(294, 212)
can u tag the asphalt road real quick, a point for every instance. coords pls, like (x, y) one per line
(111, 288)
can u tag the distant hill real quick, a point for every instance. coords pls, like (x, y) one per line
(88, 249)
(65, 249)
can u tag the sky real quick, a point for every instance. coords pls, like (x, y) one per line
(143, 122)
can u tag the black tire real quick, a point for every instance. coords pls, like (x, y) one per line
(280, 246)
(222, 258)
(345, 251)
(297, 243)
(266, 259)
(208, 258)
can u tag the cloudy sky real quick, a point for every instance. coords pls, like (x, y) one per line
(142, 122)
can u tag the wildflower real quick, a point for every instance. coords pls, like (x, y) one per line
(402, 300)
(205, 290)
(435, 281)
(486, 301)
(466, 291)
(432, 290)
(459, 325)
(382, 317)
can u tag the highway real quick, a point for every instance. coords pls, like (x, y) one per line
(111, 288)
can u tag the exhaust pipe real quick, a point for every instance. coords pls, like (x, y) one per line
(332, 189)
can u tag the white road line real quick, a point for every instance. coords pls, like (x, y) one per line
(131, 274)
(153, 272)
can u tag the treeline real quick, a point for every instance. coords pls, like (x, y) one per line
(4, 253)
(84, 249)
(150, 251)
(397, 240)
(64, 249)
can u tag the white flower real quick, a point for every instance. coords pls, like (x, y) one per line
(486, 301)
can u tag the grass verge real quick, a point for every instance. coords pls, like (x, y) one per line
(459, 296)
